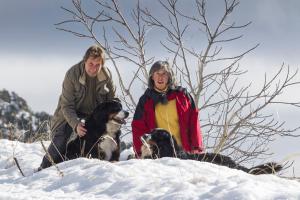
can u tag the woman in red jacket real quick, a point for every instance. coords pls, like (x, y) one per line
(165, 105)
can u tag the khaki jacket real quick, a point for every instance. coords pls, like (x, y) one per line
(74, 91)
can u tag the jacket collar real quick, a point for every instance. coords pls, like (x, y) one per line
(158, 97)
(101, 76)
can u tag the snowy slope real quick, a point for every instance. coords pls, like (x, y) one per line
(166, 178)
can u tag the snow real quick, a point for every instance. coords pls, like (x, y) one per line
(167, 178)
(23, 114)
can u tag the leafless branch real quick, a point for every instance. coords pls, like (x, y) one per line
(234, 116)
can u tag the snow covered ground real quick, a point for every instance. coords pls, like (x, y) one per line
(166, 178)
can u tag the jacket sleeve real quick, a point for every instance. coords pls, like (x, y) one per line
(139, 126)
(68, 102)
(194, 128)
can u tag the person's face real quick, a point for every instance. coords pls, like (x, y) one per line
(93, 66)
(160, 79)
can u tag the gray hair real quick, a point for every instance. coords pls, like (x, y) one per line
(161, 65)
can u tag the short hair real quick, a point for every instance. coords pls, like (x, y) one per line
(94, 51)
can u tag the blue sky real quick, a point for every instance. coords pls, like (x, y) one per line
(34, 55)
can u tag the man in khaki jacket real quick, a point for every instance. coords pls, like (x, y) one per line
(85, 85)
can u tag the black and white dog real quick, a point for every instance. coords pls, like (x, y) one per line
(159, 143)
(102, 139)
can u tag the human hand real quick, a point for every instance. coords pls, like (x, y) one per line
(197, 151)
(80, 130)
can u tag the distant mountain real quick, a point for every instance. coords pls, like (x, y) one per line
(17, 120)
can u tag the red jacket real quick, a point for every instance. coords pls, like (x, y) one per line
(144, 118)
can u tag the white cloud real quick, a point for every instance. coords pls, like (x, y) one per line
(36, 79)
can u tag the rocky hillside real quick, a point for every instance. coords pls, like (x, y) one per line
(17, 120)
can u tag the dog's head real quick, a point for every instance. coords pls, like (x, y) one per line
(110, 111)
(157, 144)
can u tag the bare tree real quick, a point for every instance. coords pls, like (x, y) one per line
(234, 117)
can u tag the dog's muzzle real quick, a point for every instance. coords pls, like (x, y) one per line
(119, 120)
(146, 138)
(120, 117)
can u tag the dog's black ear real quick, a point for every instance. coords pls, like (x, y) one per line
(99, 113)
(160, 134)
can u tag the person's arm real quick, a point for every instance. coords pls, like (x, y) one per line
(139, 126)
(68, 102)
(194, 127)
